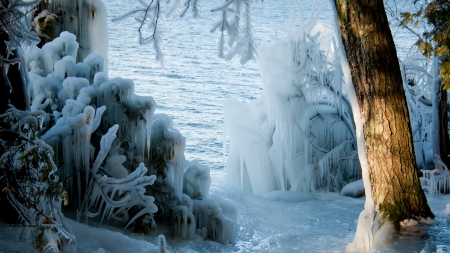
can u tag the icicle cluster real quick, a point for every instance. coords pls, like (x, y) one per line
(216, 218)
(299, 135)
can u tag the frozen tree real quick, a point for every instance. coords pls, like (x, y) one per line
(120, 161)
(275, 145)
(393, 189)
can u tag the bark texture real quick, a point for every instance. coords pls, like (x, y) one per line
(443, 132)
(370, 50)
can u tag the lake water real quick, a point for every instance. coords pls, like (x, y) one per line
(192, 86)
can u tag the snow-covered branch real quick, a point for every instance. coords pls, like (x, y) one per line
(240, 34)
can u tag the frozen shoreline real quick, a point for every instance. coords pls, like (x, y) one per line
(326, 223)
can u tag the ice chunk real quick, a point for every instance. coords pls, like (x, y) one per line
(363, 240)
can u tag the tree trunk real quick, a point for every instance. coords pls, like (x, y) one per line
(443, 129)
(13, 82)
(376, 76)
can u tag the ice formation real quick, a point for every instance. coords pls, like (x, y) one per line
(299, 135)
(84, 18)
(162, 245)
(118, 159)
(417, 80)
(423, 92)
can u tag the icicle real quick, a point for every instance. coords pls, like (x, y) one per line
(162, 245)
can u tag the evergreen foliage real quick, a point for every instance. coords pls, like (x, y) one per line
(29, 182)
(436, 40)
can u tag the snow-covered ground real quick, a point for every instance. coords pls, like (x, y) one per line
(324, 223)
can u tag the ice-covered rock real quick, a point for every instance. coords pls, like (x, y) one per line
(354, 189)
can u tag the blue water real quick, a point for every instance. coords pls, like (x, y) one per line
(192, 86)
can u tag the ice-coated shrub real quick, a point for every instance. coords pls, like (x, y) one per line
(299, 135)
(117, 158)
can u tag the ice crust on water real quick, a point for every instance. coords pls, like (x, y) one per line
(299, 135)
(138, 149)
